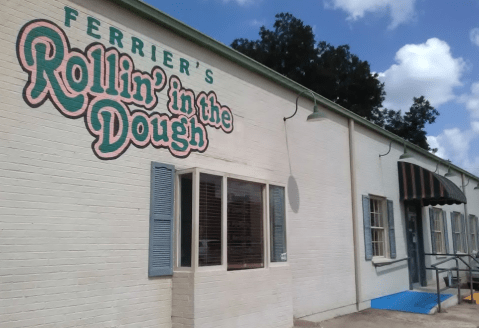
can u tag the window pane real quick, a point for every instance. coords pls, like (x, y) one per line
(186, 197)
(277, 224)
(245, 225)
(209, 252)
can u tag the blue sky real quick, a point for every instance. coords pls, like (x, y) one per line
(418, 47)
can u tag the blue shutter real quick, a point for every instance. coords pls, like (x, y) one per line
(278, 231)
(475, 219)
(368, 245)
(446, 235)
(454, 239)
(160, 260)
(477, 233)
(392, 235)
(433, 236)
(463, 233)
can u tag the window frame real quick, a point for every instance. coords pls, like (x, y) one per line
(177, 220)
(474, 223)
(196, 171)
(385, 228)
(460, 242)
(440, 213)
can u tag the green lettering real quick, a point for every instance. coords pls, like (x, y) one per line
(184, 65)
(140, 128)
(137, 44)
(81, 70)
(112, 75)
(70, 14)
(116, 35)
(92, 25)
(167, 59)
(139, 84)
(106, 145)
(209, 76)
(179, 130)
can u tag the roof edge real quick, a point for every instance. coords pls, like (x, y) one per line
(155, 15)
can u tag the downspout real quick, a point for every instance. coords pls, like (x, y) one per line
(466, 219)
(357, 263)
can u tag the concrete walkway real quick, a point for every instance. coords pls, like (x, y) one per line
(460, 316)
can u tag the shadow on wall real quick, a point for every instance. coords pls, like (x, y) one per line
(293, 194)
(392, 268)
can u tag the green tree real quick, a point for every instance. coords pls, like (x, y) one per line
(333, 72)
(411, 125)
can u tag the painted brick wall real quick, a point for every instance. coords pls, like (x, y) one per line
(378, 176)
(183, 305)
(74, 229)
(247, 298)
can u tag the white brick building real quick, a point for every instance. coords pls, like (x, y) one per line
(147, 179)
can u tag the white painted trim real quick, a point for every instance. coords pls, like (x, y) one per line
(177, 234)
(196, 171)
(196, 220)
(266, 228)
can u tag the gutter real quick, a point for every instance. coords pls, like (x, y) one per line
(154, 15)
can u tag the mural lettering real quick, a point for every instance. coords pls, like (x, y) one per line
(100, 84)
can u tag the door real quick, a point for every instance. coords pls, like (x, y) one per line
(412, 243)
(415, 246)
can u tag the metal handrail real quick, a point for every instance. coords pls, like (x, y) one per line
(455, 257)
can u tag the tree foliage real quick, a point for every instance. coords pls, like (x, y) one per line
(411, 125)
(335, 73)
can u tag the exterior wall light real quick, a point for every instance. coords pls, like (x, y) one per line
(405, 154)
(449, 172)
(315, 116)
(477, 187)
(390, 144)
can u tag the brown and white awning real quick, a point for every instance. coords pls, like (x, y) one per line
(417, 183)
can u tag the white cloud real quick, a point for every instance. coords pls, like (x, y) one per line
(401, 11)
(426, 69)
(471, 100)
(240, 2)
(461, 146)
(455, 145)
(256, 23)
(474, 36)
(475, 127)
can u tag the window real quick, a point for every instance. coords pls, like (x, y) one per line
(438, 231)
(378, 226)
(379, 231)
(474, 230)
(245, 225)
(209, 251)
(229, 222)
(277, 223)
(186, 218)
(458, 232)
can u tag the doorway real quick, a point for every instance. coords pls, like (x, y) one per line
(415, 244)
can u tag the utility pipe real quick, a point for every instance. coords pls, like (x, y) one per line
(357, 262)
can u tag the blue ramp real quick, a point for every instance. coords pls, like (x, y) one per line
(408, 301)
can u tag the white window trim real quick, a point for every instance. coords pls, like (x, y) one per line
(439, 211)
(387, 256)
(224, 226)
(474, 219)
(461, 234)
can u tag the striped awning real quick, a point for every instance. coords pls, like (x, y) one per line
(417, 183)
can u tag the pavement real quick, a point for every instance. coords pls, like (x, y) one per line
(464, 315)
